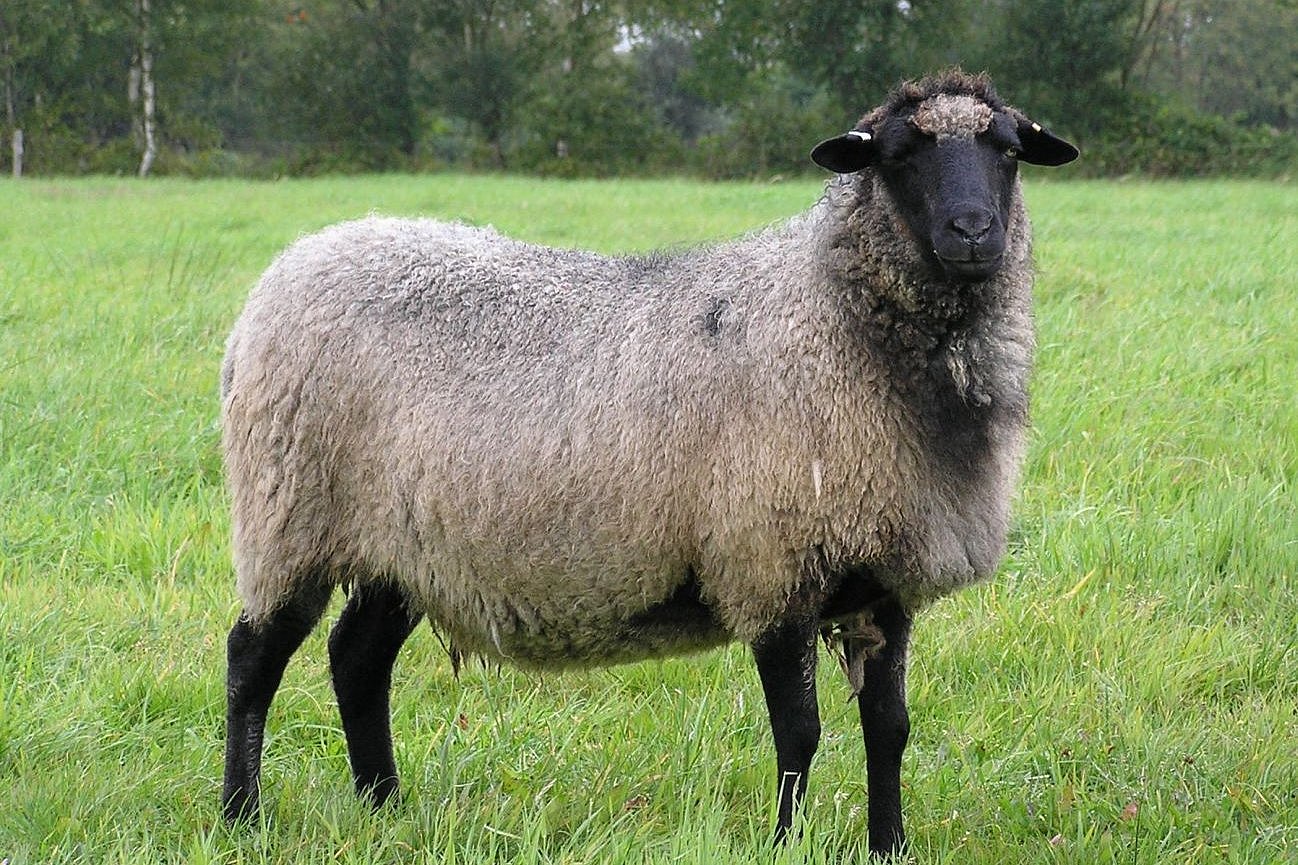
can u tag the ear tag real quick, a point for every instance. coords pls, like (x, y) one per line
(1036, 127)
(864, 136)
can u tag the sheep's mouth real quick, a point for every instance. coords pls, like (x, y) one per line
(971, 269)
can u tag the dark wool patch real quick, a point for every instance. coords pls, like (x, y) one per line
(712, 318)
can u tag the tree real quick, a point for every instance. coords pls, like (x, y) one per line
(140, 90)
(35, 45)
(664, 67)
(15, 51)
(391, 27)
(337, 78)
(596, 86)
(168, 47)
(1060, 56)
(1234, 58)
(851, 46)
(481, 56)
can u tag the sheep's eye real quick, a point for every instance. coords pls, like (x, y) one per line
(901, 156)
(1011, 153)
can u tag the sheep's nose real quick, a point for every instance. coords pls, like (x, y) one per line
(972, 225)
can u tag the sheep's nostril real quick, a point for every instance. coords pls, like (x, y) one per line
(973, 225)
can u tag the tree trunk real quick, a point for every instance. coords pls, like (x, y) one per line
(141, 88)
(11, 111)
(150, 106)
(1144, 40)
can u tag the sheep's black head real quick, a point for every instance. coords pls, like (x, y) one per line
(947, 150)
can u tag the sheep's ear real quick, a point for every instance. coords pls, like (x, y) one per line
(1040, 146)
(845, 153)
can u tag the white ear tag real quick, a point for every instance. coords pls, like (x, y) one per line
(864, 136)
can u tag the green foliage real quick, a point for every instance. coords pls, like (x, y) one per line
(1234, 58)
(482, 87)
(1162, 139)
(858, 50)
(600, 128)
(600, 88)
(1124, 691)
(669, 83)
(771, 132)
(341, 87)
(1063, 57)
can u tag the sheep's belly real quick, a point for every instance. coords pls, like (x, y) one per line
(679, 624)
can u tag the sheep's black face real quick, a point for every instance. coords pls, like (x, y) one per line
(950, 168)
(949, 164)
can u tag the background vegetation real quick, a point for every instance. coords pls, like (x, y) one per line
(1125, 691)
(612, 87)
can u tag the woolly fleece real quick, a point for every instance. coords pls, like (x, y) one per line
(544, 448)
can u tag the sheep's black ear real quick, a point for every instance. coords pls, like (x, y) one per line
(1042, 147)
(845, 153)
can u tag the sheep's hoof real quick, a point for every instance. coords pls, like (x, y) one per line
(239, 807)
(894, 853)
(783, 835)
(379, 793)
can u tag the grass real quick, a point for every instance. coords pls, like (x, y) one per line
(1125, 691)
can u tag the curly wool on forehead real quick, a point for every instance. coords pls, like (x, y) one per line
(948, 116)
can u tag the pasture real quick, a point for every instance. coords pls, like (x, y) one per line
(1126, 690)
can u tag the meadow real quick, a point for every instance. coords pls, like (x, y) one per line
(1125, 690)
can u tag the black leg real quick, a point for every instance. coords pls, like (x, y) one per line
(786, 663)
(885, 724)
(257, 656)
(362, 648)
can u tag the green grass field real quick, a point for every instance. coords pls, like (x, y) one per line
(1126, 690)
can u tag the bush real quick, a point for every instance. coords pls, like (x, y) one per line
(451, 141)
(117, 156)
(600, 128)
(1163, 139)
(47, 149)
(770, 133)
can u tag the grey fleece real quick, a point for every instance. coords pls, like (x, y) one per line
(544, 447)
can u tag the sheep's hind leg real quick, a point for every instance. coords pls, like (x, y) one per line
(786, 663)
(885, 724)
(363, 646)
(257, 656)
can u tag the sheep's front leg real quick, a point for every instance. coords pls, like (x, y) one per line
(885, 724)
(257, 656)
(363, 646)
(786, 663)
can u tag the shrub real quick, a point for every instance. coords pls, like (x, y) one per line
(1163, 139)
(771, 132)
(600, 128)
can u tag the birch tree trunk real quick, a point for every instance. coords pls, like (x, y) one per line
(140, 89)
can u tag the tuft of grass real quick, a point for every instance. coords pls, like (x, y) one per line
(1126, 690)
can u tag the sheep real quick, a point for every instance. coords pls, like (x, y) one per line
(563, 459)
